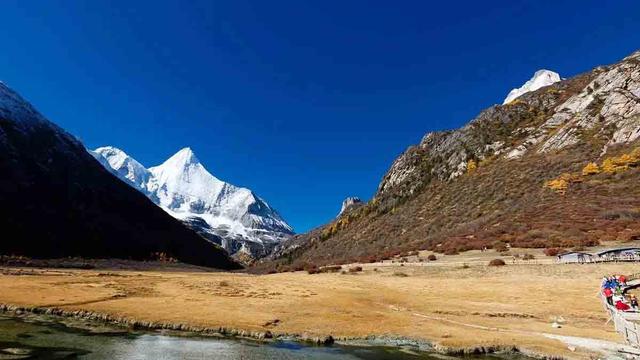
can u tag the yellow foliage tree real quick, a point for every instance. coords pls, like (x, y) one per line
(471, 166)
(591, 169)
(562, 182)
(623, 160)
(558, 185)
(609, 166)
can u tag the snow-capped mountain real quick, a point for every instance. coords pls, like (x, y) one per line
(540, 79)
(57, 201)
(186, 190)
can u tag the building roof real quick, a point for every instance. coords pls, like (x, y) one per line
(617, 250)
(574, 252)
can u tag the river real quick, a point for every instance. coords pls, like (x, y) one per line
(40, 337)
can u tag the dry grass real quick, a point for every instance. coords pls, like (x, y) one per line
(438, 301)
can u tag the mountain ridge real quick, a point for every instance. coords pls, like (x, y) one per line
(239, 220)
(495, 180)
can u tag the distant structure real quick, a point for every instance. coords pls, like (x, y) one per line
(575, 257)
(618, 254)
(621, 254)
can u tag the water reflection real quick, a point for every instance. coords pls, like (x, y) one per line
(32, 337)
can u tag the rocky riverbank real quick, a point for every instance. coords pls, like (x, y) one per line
(179, 329)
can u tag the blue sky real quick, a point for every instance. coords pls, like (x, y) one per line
(305, 102)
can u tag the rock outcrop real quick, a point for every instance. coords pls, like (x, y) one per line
(349, 204)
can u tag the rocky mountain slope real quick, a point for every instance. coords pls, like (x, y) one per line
(230, 216)
(556, 167)
(58, 201)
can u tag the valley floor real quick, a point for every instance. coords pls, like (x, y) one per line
(441, 302)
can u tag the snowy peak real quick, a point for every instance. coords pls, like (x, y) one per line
(181, 160)
(185, 189)
(541, 78)
(124, 165)
(182, 180)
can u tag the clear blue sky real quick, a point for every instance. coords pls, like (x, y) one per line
(305, 102)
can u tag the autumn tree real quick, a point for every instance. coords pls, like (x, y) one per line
(471, 166)
(591, 169)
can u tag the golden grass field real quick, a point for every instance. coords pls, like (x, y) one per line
(440, 302)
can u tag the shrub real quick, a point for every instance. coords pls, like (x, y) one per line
(471, 166)
(591, 169)
(355, 269)
(558, 185)
(451, 252)
(500, 247)
(465, 266)
(553, 251)
(163, 257)
(311, 269)
(400, 274)
(327, 269)
(497, 262)
(615, 214)
(223, 283)
(630, 235)
(432, 257)
(528, 257)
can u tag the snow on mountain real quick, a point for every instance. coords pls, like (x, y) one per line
(185, 189)
(540, 79)
(350, 203)
(125, 166)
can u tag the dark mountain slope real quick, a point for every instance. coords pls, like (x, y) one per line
(56, 200)
(512, 175)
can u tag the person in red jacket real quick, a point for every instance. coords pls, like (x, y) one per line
(622, 280)
(609, 295)
(622, 306)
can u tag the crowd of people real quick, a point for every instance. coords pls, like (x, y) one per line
(613, 290)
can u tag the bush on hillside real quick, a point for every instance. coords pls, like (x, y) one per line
(432, 257)
(497, 262)
(500, 247)
(330, 269)
(553, 251)
(591, 169)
